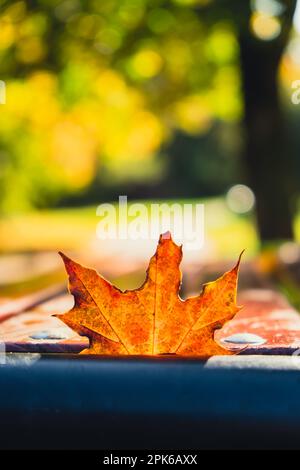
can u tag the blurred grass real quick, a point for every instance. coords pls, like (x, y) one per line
(226, 233)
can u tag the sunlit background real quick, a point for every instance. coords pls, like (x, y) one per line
(151, 99)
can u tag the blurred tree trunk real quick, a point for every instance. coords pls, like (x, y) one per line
(266, 147)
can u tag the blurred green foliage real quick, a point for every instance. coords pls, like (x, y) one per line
(135, 96)
(96, 92)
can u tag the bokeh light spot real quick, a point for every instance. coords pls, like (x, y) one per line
(146, 63)
(264, 26)
(289, 252)
(240, 199)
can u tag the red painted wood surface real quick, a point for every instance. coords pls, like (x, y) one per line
(265, 314)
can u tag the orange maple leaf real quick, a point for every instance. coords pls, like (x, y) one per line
(153, 319)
